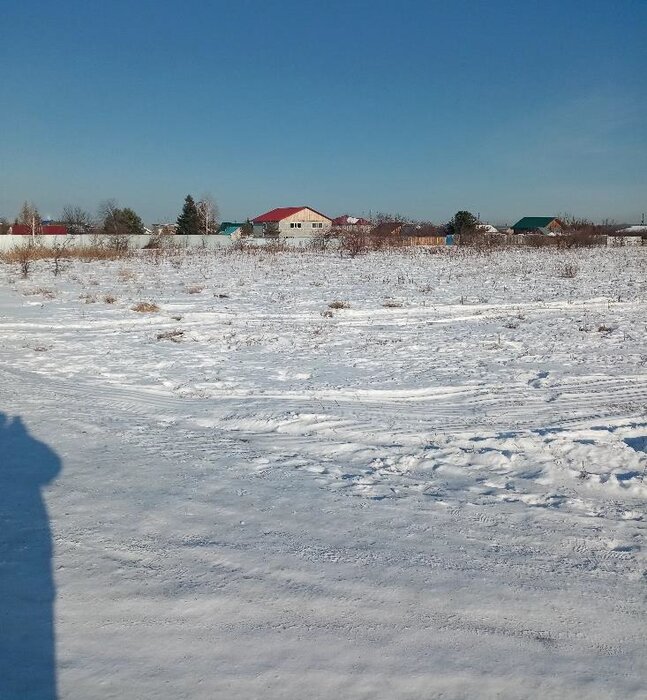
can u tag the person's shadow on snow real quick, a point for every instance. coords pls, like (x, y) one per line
(27, 651)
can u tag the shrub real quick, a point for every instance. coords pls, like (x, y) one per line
(25, 260)
(154, 242)
(324, 238)
(568, 271)
(146, 307)
(353, 243)
(173, 336)
(32, 251)
(41, 291)
(339, 305)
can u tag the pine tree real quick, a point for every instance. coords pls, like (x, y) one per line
(463, 222)
(120, 222)
(188, 223)
(131, 222)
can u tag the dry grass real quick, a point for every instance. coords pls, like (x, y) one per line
(146, 307)
(40, 291)
(568, 271)
(125, 275)
(339, 305)
(392, 304)
(109, 299)
(195, 289)
(41, 251)
(173, 336)
(271, 248)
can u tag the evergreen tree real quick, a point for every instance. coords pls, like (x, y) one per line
(463, 222)
(131, 222)
(120, 222)
(188, 223)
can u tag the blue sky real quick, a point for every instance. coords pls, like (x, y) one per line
(506, 108)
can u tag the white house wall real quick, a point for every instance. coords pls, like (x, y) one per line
(305, 217)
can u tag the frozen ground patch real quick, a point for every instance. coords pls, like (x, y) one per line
(261, 495)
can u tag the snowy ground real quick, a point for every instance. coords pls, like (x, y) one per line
(435, 492)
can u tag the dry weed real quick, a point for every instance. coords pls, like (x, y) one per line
(42, 291)
(568, 271)
(174, 336)
(125, 275)
(38, 250)
(146, 307)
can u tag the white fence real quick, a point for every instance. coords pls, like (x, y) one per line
(137, 242)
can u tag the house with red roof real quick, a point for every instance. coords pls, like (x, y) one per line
(346, 222)
(291, 222)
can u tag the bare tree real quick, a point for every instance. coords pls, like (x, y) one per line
(76, 219)
(108, 216)
(209, 214)
(353, 243)
(116, 221)
(29, 216)
(59, 251)
(24, 256)
(386, 217)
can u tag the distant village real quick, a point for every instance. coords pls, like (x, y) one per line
(200, 218)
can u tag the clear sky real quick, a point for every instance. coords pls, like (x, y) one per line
(424, 107)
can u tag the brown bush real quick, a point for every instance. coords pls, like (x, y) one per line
(33, 251)
(568, 271)
(353, 243)
(273, 247)
(146, 307)
(482, 241)
(562, 241)
(174, 336)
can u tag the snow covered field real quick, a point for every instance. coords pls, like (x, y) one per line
(436, 491)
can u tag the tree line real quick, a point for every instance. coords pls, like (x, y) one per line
(200, 218)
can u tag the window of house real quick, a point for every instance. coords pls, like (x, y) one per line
(295, 224)
(317, 224)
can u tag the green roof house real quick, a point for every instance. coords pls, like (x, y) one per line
(548, 225)
(229, 228)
